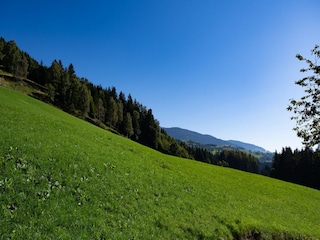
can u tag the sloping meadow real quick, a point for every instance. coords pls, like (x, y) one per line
(62, 178)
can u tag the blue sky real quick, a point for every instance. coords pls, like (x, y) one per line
(224, 68)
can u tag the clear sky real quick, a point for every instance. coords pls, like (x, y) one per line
(224, 68)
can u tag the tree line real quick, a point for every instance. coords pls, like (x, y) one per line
(298, 166)
(226, 157)
(107, 108)
(238, 160)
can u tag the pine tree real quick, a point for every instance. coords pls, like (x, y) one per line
(83, 103)
(136, 125)
(112, 112)
(149, 130)
(2, 45)
(72, 90)
(54, 81)
(11, 56)
(101, 111)
(20, 70)
(128, 128)
(120, 115)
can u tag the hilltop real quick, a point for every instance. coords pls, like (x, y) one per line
(62, 177)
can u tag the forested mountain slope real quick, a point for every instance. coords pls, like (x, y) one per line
(104, 107)
(63, 178)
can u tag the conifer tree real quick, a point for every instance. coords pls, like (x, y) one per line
(2, 45)
(136, 125)
(83, 103)
(112, 112)
(149, 131)
(101, 110)
(120, 115)
(128, 128)
(54, 81)
(20, 70)
(11, 56)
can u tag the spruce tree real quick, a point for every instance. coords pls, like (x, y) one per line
(20, 70)
(128, 128)
(112, 112)
(136, 125)
(2, 45)
(11, 56)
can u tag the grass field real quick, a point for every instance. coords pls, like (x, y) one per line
(62, 178)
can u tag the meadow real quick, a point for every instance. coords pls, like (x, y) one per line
(63, 178)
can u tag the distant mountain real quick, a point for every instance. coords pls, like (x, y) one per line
(187, 135)
(248, 146)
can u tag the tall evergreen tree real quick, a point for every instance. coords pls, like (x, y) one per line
(149, 131)
(20, 70)
(120, 113)
(83, 101)
(54, 82)
(136, 125)
(2, 45)
(101, 104)
(73, 90)
(128, 128)
(34, 70)
(11, 56)
(129, 104)
(101, 112)
(112, 112)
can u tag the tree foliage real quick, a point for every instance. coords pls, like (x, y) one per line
(128, 128)
(238, 160)
(2, 44)
(14, 60)
(307, 109)
(299, 166)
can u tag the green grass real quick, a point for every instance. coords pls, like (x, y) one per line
(62, 178)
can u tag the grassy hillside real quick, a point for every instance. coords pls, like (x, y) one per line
(62, 178)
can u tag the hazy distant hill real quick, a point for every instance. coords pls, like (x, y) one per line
(248, 146)
(187, 135)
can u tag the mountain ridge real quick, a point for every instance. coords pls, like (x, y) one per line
(189, 135)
